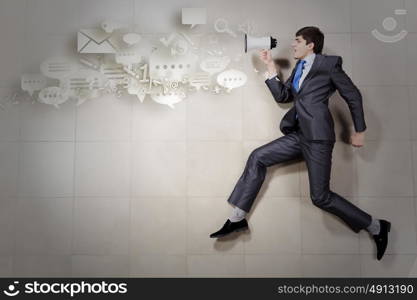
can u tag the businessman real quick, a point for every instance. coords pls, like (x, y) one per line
(308, 130)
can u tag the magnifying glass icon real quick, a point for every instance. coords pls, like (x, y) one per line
(221, 25)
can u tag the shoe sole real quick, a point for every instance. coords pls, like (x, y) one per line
(236, 230)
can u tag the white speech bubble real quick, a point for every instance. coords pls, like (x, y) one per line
(83, 80)
(163, 65)
(53, 95)
(128, 58)
(231, 79)
(58, 67)
(194, 16)
(33, 82)
(169, 97)
(131, 38)
(214, 64)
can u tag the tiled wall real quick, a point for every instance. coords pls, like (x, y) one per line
(116, 187)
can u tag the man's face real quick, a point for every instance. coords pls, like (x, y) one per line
(301, 48)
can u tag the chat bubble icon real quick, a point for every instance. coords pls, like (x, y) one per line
(33, 82)
(128, 58)
(169, 98)
(53, 95)
(214, 64)
(194, 16)
(231, 79)
(58, 67)
(131, 38)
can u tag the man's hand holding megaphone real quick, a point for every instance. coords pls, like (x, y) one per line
(266, 58)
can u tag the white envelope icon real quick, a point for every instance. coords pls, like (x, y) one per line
(95, 41)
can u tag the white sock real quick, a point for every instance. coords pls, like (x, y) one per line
(237, 214)
(375, 227)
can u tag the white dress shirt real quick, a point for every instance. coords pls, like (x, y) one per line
(307, 66)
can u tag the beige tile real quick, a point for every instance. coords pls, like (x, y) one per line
(329, 16)
(12, 31)
(275, 226)
(340, 44)
(370, 63)
(9, 162)
(105, 234)
(52, 17)
(169, 18)
(261, 114)
(43, 226)
(213, 168)
(398, 211)
(413, 111)
(369, 14)
(100, 266)
(46, 169)
(153, 121)
(411, 19)
(206, 215)
(104, 118)
(269, 16)
(343, 177)
(40, 46)
(411, 41)
(159, 168)
(7, 226)
(40, 122)
(214, 117)
(158, 226)
(154, 265)
(388, 266)
(325, 233)
(281, 179)
(9, 116)
(281, 265)
(42, 266)
(331, 265)
(215, 265)
(6, 266)
(92, 12)
(379, 174)
(386, 119)
(102, 169)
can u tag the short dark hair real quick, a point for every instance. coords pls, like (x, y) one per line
(312, 34)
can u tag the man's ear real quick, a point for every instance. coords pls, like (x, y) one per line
(310, 46)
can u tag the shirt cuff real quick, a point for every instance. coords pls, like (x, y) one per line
(271, 76)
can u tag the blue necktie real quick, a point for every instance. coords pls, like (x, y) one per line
(297, 77)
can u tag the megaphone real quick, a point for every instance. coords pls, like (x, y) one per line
(265, 42)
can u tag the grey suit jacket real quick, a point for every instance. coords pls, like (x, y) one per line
(311, 102)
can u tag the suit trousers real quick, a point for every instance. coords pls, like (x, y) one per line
(318, 158)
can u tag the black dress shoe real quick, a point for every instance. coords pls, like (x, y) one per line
(230, 227)
(381, 239)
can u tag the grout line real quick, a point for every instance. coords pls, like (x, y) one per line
(129, 237)
(355, 153)
(410, 123)
(74, 169)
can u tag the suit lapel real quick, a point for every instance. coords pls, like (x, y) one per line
(314, 68)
